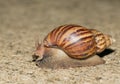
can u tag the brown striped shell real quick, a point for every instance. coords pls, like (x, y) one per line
(77, 41)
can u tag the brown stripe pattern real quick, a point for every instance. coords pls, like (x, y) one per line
(100, 40)
(75, 40)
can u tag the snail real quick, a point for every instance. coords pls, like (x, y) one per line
(69, 46)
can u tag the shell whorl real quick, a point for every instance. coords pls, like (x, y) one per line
(102, 40)
(77, 41)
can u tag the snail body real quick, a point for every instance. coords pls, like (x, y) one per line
(70, 46)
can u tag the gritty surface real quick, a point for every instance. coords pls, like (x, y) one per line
(23, 21)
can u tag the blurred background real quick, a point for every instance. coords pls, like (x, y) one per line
(56, 12)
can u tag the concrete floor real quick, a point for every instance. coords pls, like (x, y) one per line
(22, 20)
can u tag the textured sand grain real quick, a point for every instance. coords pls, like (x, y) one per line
(22, 20)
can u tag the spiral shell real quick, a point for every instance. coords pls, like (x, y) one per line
(77, 41)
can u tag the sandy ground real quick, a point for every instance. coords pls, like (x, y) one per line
(22, 20)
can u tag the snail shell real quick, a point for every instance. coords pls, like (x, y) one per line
(75, 41)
